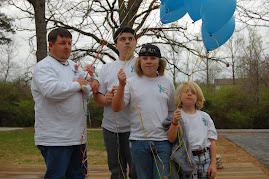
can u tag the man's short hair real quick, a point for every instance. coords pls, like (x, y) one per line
(62, 32)
(122, 30)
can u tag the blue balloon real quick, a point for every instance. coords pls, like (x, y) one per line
(216, 13)
(172, 5)
(215, 40)
(167, 16)
(193, 7)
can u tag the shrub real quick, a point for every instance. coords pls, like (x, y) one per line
(96, 114)
(17, 105)
(229, 107)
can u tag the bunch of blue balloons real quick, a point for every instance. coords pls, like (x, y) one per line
(217, 18)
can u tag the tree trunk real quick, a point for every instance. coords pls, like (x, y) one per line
(128, 11)
(41, 28)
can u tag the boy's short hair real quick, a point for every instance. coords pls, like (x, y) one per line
(122, 30)
(150, 50)
(181, 90)
(62, 32)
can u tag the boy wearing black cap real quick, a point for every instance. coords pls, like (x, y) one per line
(149, 99)
(116, 126)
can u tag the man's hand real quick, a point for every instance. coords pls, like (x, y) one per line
(81, 81)
(94, 86)
(89, 68)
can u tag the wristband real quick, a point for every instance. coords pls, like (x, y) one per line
(175, 124)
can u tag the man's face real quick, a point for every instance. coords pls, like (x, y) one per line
(126, 44)
(61, 49)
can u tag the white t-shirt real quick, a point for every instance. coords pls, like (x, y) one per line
(108, 77)
(199, 127)
(59, 115)
(154, 98)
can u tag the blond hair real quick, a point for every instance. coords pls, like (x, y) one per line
(181, 91)
(160, 70)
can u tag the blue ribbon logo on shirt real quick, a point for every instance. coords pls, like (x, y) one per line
(132, 70)
(161, 89)
(203, 119)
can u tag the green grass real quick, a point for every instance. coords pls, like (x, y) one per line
(18, 147)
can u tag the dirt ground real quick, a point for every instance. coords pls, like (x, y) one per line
(230, 152)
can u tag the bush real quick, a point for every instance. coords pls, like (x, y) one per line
(261, 116)
(17, 105)
(232, 107)
(96, 114)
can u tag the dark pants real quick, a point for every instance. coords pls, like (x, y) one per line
(118, 154)
(65, 161)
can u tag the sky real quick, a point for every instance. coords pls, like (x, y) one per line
(25, 57)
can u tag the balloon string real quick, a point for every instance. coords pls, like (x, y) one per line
(118, 145)
(140, 34)
(105, 39)
(83, 137)
(215, 40)
(131, 91)
(184, 93)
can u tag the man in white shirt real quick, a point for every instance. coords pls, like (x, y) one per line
(116, 126)
(60, 122)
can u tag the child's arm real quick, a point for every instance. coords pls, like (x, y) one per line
(173, 129)
(118, 99)
(104, 100)
(212, 170)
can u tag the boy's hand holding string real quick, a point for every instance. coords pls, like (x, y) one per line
(118, 99)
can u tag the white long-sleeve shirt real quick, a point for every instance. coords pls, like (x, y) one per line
(59, 112)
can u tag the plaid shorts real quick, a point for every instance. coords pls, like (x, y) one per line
(202, 162)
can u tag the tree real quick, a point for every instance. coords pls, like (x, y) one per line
(253, 13)
(251, 61)
(41, 28)
(92, 24)
(234, 49)
(7, 63)
(5, 27)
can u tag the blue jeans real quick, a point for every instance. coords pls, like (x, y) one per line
(118, 154)
(65, 161)
(151, 158)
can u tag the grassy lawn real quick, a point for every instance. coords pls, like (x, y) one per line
(18, 147)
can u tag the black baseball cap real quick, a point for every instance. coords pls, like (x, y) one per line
(150, 50)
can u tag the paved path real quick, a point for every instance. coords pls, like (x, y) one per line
(255, 142)
(9, 128)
